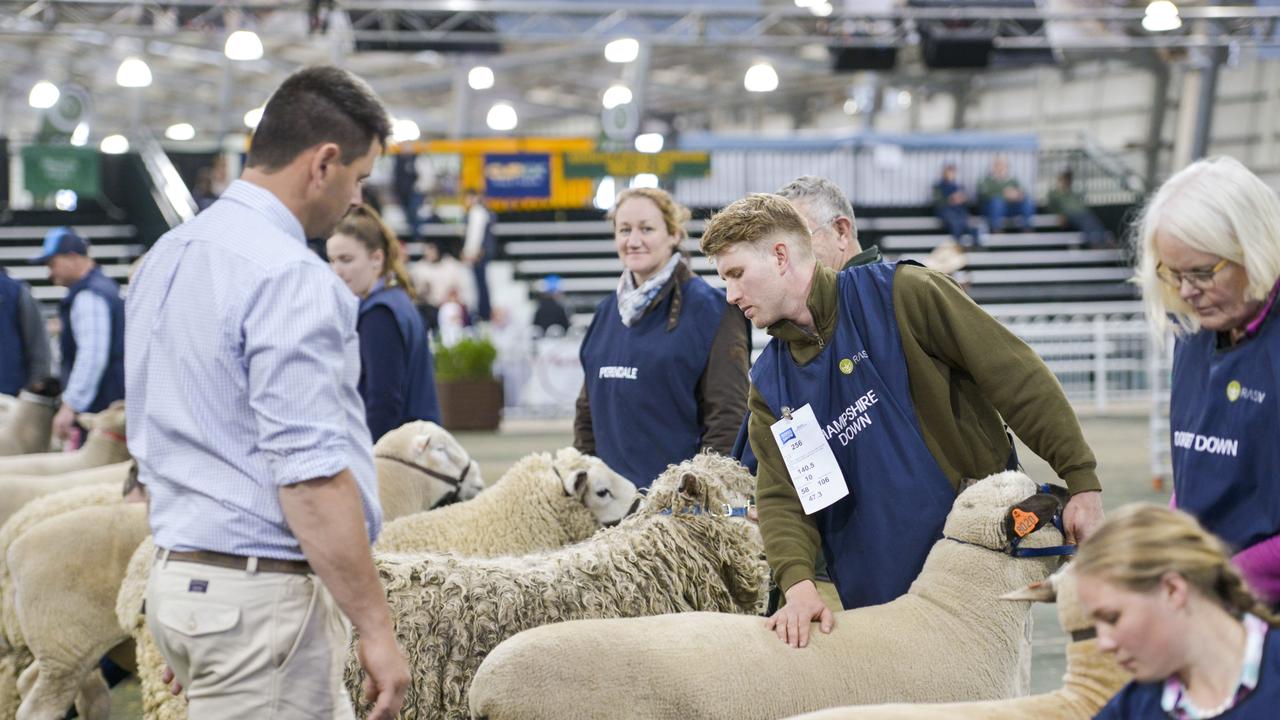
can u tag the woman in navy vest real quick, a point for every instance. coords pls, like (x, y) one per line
(1210, 261)
(397, 380)
(1167, 602)
(665, 359)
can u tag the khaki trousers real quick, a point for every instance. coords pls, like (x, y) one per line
(250, 645)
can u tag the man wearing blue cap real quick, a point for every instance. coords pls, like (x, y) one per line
(92, 339)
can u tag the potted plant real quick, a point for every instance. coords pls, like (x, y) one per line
(470, 397)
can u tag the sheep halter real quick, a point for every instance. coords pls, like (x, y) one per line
(454, 483)
(1013, 549)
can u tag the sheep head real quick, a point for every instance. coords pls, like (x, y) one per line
(110, 420)
(1060, 588)
(609, 496)
(995, 511)
(707, 480)
(426, 445)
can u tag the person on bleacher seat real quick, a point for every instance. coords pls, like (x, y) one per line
(1073, 212)
(24, 344)
(665, 358)
(950, 204)
(92, 337)
(1001, 196)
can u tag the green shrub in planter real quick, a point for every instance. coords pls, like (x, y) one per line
(470, 397)
(471, 358)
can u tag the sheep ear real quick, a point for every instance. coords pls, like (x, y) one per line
(87, 419)
(1044, 592)
(580, 483)
(1030, 515)
(689, 485)
(421, 443)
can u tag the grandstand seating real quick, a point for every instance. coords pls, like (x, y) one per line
(113, 244)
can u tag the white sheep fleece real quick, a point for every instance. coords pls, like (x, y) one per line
(949, 638)
(1092, 677)
(18, 490)
(26, 425)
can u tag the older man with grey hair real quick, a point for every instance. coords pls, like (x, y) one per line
(829, 217)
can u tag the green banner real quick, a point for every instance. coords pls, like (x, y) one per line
(622, 164)
(50, 168)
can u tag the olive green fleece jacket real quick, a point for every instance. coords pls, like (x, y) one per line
(968, 376)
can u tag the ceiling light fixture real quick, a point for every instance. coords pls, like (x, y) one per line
(1161, 16)
(616, 95)
(252, 118)
(133, 73)
(44, 94)
(622, 50)
(114, 145)
(180, 132)
(480, 77)
(243, 45)
(649, 142)
(760, 77)
(502, 117)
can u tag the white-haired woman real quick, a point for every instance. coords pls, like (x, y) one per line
(1209, 266)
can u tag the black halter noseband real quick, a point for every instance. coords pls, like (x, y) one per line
(454, 483)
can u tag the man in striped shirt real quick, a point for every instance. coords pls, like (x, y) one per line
(249, 433)
(92, 339)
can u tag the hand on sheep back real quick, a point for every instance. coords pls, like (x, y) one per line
(948, 639)
(450, 611)
(105, 446)
(18, 490)
(539, 504)
(406, 459)
(66, 575)
(27, 427)
(1092, 676)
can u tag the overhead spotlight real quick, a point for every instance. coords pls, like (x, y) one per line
(616, 95)
(480, 77)
(649, 142)
(807, 3)
(65, 200)
(252, 118)
(622, 50)
(904, 99)
(44, 94)
(502, 117)
(114, 145)
(404, 130)
(80, 136)
(180, 132)
(243, 45)
(605, 194)
(760, 77)
(133, 73)
(851, 107)
(822, 9)
(1161, 16)
(644, 180)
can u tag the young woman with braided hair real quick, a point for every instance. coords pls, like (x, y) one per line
(397, 378)
(1167, 601)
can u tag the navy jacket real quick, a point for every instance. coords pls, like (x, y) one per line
(397, 377)
(13, 356)
(111, 386)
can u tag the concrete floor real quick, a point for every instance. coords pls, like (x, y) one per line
(1119, 440)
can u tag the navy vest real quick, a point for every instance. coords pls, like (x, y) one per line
(1141, 701)
(1223, 417)
(13, 354)
(876, 538)
(421, 402)
(642, 381)
(111, 387)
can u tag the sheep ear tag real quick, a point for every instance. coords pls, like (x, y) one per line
(1028, 516)
(1024, 522)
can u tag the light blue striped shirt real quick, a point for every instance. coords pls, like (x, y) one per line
(91, 326)
(241, 364)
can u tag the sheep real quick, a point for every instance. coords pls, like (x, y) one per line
(420, 466)
(29, 422)
(18, 490)
(669, 556)
(532, 507)
(7, 403)
(1092, 678)
(14, 654)
(947, 639)
(104, 446)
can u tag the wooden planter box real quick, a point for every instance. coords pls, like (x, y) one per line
(470, 404)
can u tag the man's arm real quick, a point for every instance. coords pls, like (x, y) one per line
(722, 389)
(473, 245)
(91, 326)
(951, 327)
(790, 538)
(35, 339)
(324, 514)
(584, 439)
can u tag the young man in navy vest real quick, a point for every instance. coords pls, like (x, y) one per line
(24, 345)
(910, 384)
(92, 339)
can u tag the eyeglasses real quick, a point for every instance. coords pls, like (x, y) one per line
(814, 230)
(1199, 279)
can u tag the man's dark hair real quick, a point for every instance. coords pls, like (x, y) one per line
(317, 105)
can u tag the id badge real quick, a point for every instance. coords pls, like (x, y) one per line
(809, 460)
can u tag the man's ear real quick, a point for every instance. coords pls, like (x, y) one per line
(844, 231)
(781, 254)
(323, 159)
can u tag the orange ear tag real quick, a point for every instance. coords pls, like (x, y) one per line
(1024, 522)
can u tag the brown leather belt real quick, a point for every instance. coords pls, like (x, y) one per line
(237, 562)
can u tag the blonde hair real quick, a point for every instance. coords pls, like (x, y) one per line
(365, 225)
(674, 215)
(753, 219)
(1216, 206)
(1139, 544)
